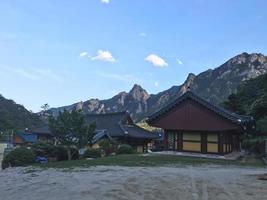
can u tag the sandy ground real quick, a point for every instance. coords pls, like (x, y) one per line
(133, 183)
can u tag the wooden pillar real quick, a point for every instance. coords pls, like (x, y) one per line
(220, 143)
(165, 140)
(180, 141)
(203, 142)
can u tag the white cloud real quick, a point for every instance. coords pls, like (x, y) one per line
(48, 74)
(142, 34)
(104, 56)
(26, 74)
(127, 78)
(156, 84)
(156, 60)
(179, 62)
(83, 54)
(105, 1)
(32, 73)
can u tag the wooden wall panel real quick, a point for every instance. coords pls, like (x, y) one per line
(192, 146)
(212, 148)
(192, 116)
(193, 136)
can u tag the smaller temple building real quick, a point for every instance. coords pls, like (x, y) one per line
(121, 128)
(192, 124)
(40, 134)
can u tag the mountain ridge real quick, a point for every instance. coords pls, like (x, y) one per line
(14, 116)
(215, 85)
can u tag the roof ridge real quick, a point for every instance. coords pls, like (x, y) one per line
(122, 128)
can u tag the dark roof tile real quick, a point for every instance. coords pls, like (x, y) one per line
(119, 125)
(44, 130)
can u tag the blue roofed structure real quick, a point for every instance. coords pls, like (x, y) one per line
(26, 137)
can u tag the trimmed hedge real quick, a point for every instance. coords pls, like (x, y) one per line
(18, 157)
(92, 153)
(125, 149)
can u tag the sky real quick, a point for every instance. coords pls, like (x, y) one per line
(65, 51)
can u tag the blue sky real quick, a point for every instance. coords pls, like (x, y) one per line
(61, 52)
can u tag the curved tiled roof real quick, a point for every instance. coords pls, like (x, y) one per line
(44, 130)
(138, 132)
(118, 124)
(238, 119)
(109, 122)
(99, 134)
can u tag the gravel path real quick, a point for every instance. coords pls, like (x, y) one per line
(133, 183)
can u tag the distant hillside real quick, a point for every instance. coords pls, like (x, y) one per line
(214, 85)
(251, 99)
(15, 116)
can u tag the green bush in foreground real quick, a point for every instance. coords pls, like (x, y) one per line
(18, 157)
(107, 146)
(92, 153)
(124, 149)
(254, 144)
(44, 149)
(62, 153)
(59, 152)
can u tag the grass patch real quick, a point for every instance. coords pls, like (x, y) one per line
(149, 161)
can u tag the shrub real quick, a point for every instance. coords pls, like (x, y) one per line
(125, 149)
(74, 154)
(253, 144)
(18, 157)
(62, 154)
(50, 150)
(107, 146)
(92, 153)
(44, 149)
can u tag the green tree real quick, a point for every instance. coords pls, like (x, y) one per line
(70, 129)
(45, 107)
(234, 104)
(251, 99)
(259, 107)
(262, 124)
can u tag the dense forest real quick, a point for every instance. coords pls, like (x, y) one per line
(251, 99)
(14, 116)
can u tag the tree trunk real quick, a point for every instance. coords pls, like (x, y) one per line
(69, 153)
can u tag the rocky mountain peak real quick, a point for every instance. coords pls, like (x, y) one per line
(190, 77)
(188, 83)
(138, 93)
(79, 106)
(136, 87)
(245, 58)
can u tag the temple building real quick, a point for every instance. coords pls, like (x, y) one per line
(120, 128)
(192, 124)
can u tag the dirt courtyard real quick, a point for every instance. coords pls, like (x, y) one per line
(133, 183)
